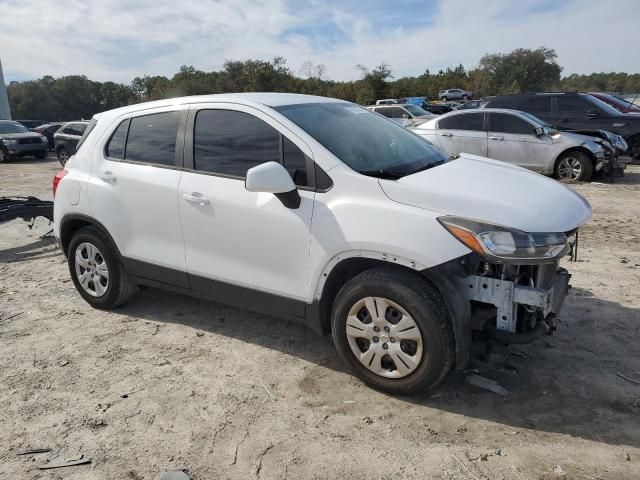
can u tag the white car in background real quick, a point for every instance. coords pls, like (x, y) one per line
(518, 138)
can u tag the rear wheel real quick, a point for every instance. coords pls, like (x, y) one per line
(4, 155)
(97, 271)
(576, 166)
(393, 329)
(444, 99)
(63, 155)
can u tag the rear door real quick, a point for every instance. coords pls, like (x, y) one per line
(134, 193)
(463, 133)
(512, 139)
(245, 245)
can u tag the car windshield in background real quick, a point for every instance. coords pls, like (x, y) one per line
(368, 143)
(417, 111)
(12, 127)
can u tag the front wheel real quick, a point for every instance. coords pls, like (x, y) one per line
(63, 155)
(393, 329)
(4, 155)
(575, 166)
(444, 99)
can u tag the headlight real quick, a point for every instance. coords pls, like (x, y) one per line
(502, 244)
(9, 141)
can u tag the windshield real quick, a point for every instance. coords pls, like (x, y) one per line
(368, 143)
(416, 111)
(12, 127)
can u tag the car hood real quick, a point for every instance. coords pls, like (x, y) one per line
(19, 135)
(493, 192)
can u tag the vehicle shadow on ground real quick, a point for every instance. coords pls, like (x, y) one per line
(564, 384)
(41, 248)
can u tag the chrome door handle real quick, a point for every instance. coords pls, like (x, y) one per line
(107, 177)
(447, 134)
(195, 197)
(496, 138)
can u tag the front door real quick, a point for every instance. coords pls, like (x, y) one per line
(244, 245)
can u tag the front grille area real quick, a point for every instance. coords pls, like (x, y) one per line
(29, 140)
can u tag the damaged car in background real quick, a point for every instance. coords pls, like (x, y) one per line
(522, 139)
(363, 230)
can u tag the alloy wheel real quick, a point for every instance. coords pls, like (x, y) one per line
(63, 156)
(569, 168)
(91, 269)
(384, 337)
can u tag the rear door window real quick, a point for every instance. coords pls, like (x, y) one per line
(152, 139)
(468, 121)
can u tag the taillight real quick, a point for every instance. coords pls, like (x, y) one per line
(56, 180)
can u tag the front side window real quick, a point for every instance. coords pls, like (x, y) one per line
(468, 121)
(152, 139)
(363, 141)
(397, 112)
(229, 142)
(506, 123)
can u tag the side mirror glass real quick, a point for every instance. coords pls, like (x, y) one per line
(271, 177)
(539, 131)
(593, 113)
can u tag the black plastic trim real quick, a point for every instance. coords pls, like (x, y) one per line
(289, 199)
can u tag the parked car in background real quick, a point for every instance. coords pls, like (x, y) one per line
(618, 103)
(48, 129)
(575, 111)
(318, 211)
(31, 123)
(414, 114)
(517, 138)
(470, 104)
(454, 94)
(425, 104)
(17, 141)
(66, 139)
(387, 101)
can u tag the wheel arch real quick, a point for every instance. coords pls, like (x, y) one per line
(577, 148)
(71, 223)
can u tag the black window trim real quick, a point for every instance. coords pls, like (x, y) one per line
(189, 145)
(180, 133)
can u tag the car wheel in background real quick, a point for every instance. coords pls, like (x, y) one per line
(63, 155)
(393, 329)
(465, 97)
(574, 165)
(97, 271)
(634, 148)
(4, 155)
(444, 99)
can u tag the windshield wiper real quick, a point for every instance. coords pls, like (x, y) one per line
(385, 174)
(428, 166)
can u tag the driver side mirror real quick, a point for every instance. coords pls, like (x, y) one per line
(271, 177)
(593, 113)
(405, 115)
(539, 131)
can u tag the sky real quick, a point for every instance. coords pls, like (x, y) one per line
(121, 39)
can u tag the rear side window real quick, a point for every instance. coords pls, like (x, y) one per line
(115, 147)
(228, 142)
(152, 139)
(505, 123)
(540, 105)
(469, 121)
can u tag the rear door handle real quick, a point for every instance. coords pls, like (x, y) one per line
(107, 177)
(496, 138)
(447, 134)
(195, 197)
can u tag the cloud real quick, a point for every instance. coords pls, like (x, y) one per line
(118, 39)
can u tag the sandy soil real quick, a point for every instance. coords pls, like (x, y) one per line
(174, 382)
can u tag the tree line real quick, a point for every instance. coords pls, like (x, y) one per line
(75, 97)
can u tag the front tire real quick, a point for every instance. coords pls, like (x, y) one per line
(97, 271)
(63, 155)
(4, 155)
(574, 166)
(393, 329)
(444, 99)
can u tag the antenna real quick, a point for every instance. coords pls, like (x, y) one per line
(5, 112)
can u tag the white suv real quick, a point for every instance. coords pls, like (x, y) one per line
(318, 211)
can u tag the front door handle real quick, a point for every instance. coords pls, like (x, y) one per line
(107, 177)
(493, 137)
(196, 198)
(447, 134)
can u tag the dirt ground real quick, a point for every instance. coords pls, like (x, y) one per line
(170, 382)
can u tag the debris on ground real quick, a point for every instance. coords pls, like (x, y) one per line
(559, 472)
(624, 260)
(487, 384)
(175, 475)
(33, 451)
(69, 462)
(200, 334)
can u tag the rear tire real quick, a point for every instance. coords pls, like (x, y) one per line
(4, 155)
(97, 271)
(444, 99)
(422, 328)
(574, 166)
(63, 155)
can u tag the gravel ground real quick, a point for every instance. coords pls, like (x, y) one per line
(170, 381)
